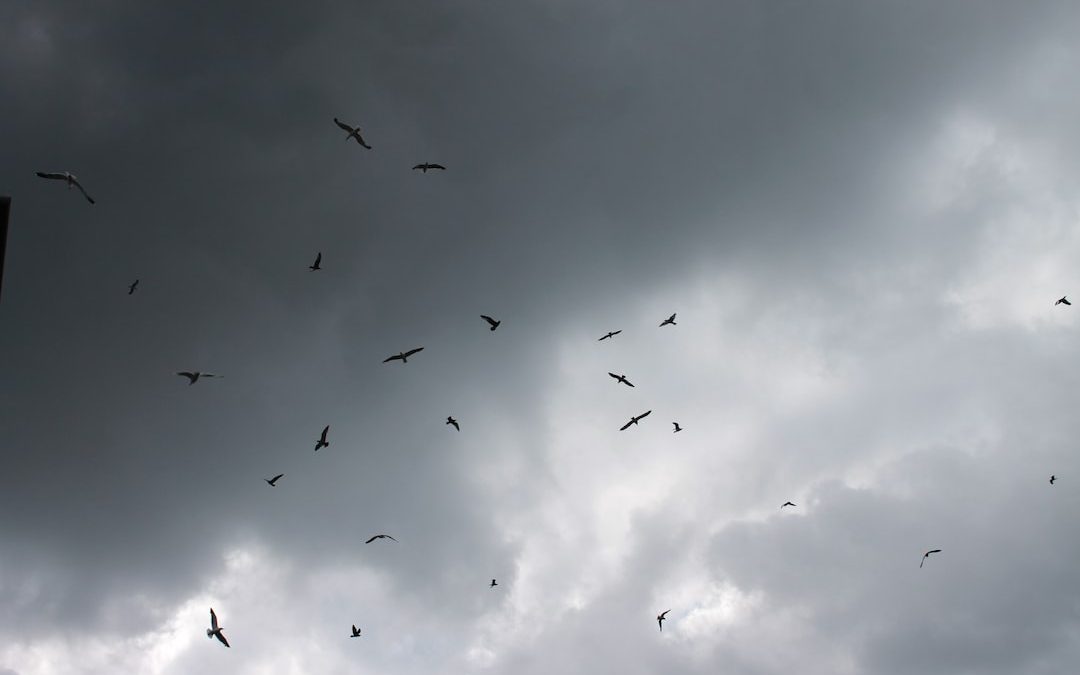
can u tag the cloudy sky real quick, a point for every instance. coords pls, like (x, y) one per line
(861, 212)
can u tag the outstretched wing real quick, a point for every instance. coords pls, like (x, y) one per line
(372, 539)
(419, 166)
(324, 432)
(213, 619)
(83, 191)
(626, 426)
(644, 414)
(614, 375)
(344, 126)
(395, 357)
(487, 318)
(190, 376)
(436, 166)
(221, 638)
(49, 174)
(413, 351)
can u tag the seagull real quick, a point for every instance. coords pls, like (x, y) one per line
(70, 179)
(131, 288)
(621, 378)
(314, 267)
(669, 320)
(194, 377)
(610, 334)
(273, 481)
(380, 536)
(660, 619)
(677, 428)
(403, 356)
(493, 584)
(453, 422)
(354, 132)
(1052, 478)
(787, 504)
(491, 322)
(427, 165)
(322, 442)
(635, 420)
(215, 630)
(1062, 301)
(355, 631)
(927, 555)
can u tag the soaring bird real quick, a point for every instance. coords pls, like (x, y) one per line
(621, 378)
(677, 428)
(322, 442)
(403, 356)
(660, 619)
(194, 377)
(354, 132)
(355, 631)
(273, 481)
(927, 555)
(1062, 301)
(493, 584)
(669, 320)
(133, 286)
(314, 267)
(453, 422)
(1052, 478)
(635, 420)
(215, 630)
(70, 179)
(427, 165)
(491, 322)
(610, 335)
(380, 536)
(787, 504)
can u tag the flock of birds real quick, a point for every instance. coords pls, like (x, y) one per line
(215, 629)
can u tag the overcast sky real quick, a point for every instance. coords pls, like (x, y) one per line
(862, 213)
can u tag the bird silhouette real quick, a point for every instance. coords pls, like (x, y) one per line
(194, 377)
(635, 420)
(927, 555)
(427, 165)
(610, 335)
(670, 320)
(314, 267)
(403, 356)
(660, 618)
(322, 442)
(354, 132)
(273, 481)
(491, 322)
(1062, 301)
(355, 631)
(677, 428)
(787, 504)
(68, 178)
(133, 286)
(380, 536)
(493, 584)
(621, 378)
(453, 422)
(215, 630)
(1052, 479)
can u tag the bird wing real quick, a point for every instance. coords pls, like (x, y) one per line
(419, 166)
(372, 539)
(190, 376)
(627, 425)
(413, 351)
(83, 191)
(396, 357)
(213, 619)
(324, 432)
(275, 478)
(614, 375)
(318, 259)
(436, 166)
(354, 629)
(221, 638)
(344, 126)
(644, 414)
(57, 176)
(487, 318)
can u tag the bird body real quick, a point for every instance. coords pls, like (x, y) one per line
(403, 356)
(314, 267)
(427, 165)
(621, 378)
(453, 422)
(660, 619)
(194, 376)
(635, 420)
(668, 321)
(322, 442)
(273, 481)
(927, 555)
(68, 178)
(610, 335)
(380, 536)
(215, 630)
(354, 132)
(491, 322)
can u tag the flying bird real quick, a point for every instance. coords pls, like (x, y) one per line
(610, 335)
(787, 504)
(355, 631)
(493, 584)
(635, 420)
(322, 442)
(70, 179)
(194, 377)
(660, 619)
(133, 286)
(453, 422)
(669, 320)
(427, 165)
(1062, 301)
(215, 630)
(314, 267)
(677, 428)
(927, 555)
(491, 322)
(621, 378)
(403, 356)
(380, 536)
(273, 481)
(1052, 478)
(354, 132)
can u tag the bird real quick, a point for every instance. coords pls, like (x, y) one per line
(380, 536)
(493, 584)
(322, 442)
(453, 422)
(610, 335)
(194, 377)
(927, 555)
(1052, 478)
(669, 320)
(354, 132)
(215, 630)
(70, 179)
(635, 420)
(403, 356)
(1062, 301)
(273, 481)
(621, 378)
(787, 504)
(491, 322)
(660, 619)
(314, 267)
(133, 286)
(428, 165)
(677, 428)
(355, 631)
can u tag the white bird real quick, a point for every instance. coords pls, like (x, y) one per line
(215, 630)
(70, 179)
(354, 132)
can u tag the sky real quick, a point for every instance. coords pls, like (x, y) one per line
(861, 213)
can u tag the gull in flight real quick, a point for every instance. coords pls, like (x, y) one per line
(677, 428)
(314, 267)
(194, 377)
(427, 165)
(491, 322)
(1052, 478)
(493, 584)
(635, 420)
(322, 442)
(660, 619)
(1062, 301)
(403, 356)
(273, 481)
(380, 536)
(927, 555)
(669, 320)
(621, 378)
(70, 179)
(355, 631)
(610, 335)
(453, 422)
(354, 132)
(787, 504)
(215, 630)
(133, 286)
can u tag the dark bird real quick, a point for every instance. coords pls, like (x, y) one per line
(635, 420)
(133, 286)
(660, 619)
(491, 322)
(70, 179)
(355, 631)
(621, 378)
(314, 267)
(493, 584)
(427, 165)
(354, 132)
(677, 428)
(610, 335)
(787, 504)
(453, 422)
(273, 481)
(322, 442)
(215, 630)
(1052, 479)
(669, 320)
(927, 555)
(403, 356)
(1062, 301)
(194, 377)
(380, 536)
